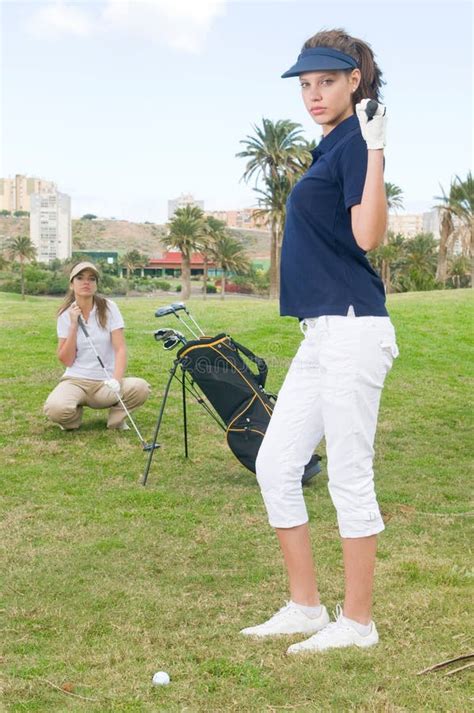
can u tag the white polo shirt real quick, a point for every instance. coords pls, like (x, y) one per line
(86, 364)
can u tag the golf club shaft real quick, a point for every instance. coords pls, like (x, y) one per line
(196, 336)
(87, 336)
(191, 317)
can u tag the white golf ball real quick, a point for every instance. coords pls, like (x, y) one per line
(161, 678)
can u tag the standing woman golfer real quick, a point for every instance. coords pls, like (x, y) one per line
(84, 382)
(335, 213)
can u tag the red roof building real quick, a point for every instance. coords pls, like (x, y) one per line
(170, 264)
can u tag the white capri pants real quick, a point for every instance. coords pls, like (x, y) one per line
(332, 389)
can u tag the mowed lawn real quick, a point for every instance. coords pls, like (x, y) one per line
(105, 582)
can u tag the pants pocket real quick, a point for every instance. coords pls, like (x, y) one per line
(389, 352)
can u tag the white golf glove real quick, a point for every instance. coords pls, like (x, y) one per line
(373, 131)
(113, 385)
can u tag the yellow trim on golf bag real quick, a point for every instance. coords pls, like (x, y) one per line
(243, 377)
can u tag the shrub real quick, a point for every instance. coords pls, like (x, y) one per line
(211, 289)
(161, 284)
(178, 288)
(234, 287)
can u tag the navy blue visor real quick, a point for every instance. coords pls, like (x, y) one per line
(316, 59)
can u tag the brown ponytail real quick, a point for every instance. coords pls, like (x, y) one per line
(371, 75)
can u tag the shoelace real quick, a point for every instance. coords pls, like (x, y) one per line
(338, 624)
(287, 607)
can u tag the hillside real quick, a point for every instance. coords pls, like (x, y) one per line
(122, 236)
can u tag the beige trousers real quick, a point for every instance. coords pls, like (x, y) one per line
(65, 403)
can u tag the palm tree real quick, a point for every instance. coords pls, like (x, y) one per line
(419, 262)
(460, 204)
(23, 249)
(387, 259)
(272, 212)
(277, 155)
(230, 255)
(131, 261)
(394, 202)
(185, 230)
(214, 230)
(459, 269)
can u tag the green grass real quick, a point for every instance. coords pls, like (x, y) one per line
(106, 582)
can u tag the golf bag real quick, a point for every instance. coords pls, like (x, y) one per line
(235, 391)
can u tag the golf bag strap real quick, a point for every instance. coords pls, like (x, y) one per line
(258, 361)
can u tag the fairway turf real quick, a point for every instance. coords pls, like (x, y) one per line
(106, 582)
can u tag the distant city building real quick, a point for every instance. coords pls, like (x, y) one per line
(183, 200)
(50, 225)
(245, 218)
(410, 224)
(15, 193)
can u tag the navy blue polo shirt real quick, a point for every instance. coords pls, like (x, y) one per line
(323, 271)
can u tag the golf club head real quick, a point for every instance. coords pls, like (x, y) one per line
(177, 306)
(162, 311)
(162, 334)
(171, 343)
(169, 337)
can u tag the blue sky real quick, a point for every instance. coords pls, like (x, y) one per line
(128, 104)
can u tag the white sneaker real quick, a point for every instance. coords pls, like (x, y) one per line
(289, 620)
(336, 635)
(123, 426)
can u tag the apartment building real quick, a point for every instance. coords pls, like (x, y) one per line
(15, 193)
(410, 224)
(245, 218)
(50, 225)
(183, 200)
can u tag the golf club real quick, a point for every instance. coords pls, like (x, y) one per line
(174, 309)
(146, 446)
(162, 334)
(371, 108)
(180, 305)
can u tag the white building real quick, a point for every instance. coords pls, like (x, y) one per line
(50, 225)
(183, 200)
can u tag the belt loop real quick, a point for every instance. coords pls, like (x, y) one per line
(303, 326)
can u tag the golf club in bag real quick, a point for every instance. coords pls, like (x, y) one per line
(213, 370)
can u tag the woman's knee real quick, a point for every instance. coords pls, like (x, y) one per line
(59, 411)
(136, 390)
(265, 465)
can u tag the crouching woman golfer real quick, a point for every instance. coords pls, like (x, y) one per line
(84, 382)
(335, 214)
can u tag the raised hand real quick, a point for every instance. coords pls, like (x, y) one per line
(373, 130)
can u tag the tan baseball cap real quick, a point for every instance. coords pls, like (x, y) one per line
(83, 266)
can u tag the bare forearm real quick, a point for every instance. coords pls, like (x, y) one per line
(68, 349)
(371, 218)
(120, 363)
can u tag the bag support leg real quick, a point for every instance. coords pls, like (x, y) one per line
(158, 423)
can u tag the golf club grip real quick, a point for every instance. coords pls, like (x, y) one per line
(371, 108)
(86, 333)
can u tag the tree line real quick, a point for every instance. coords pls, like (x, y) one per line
(277, 156)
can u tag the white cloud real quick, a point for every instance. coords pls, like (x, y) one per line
(59, 18)
(181, 24)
